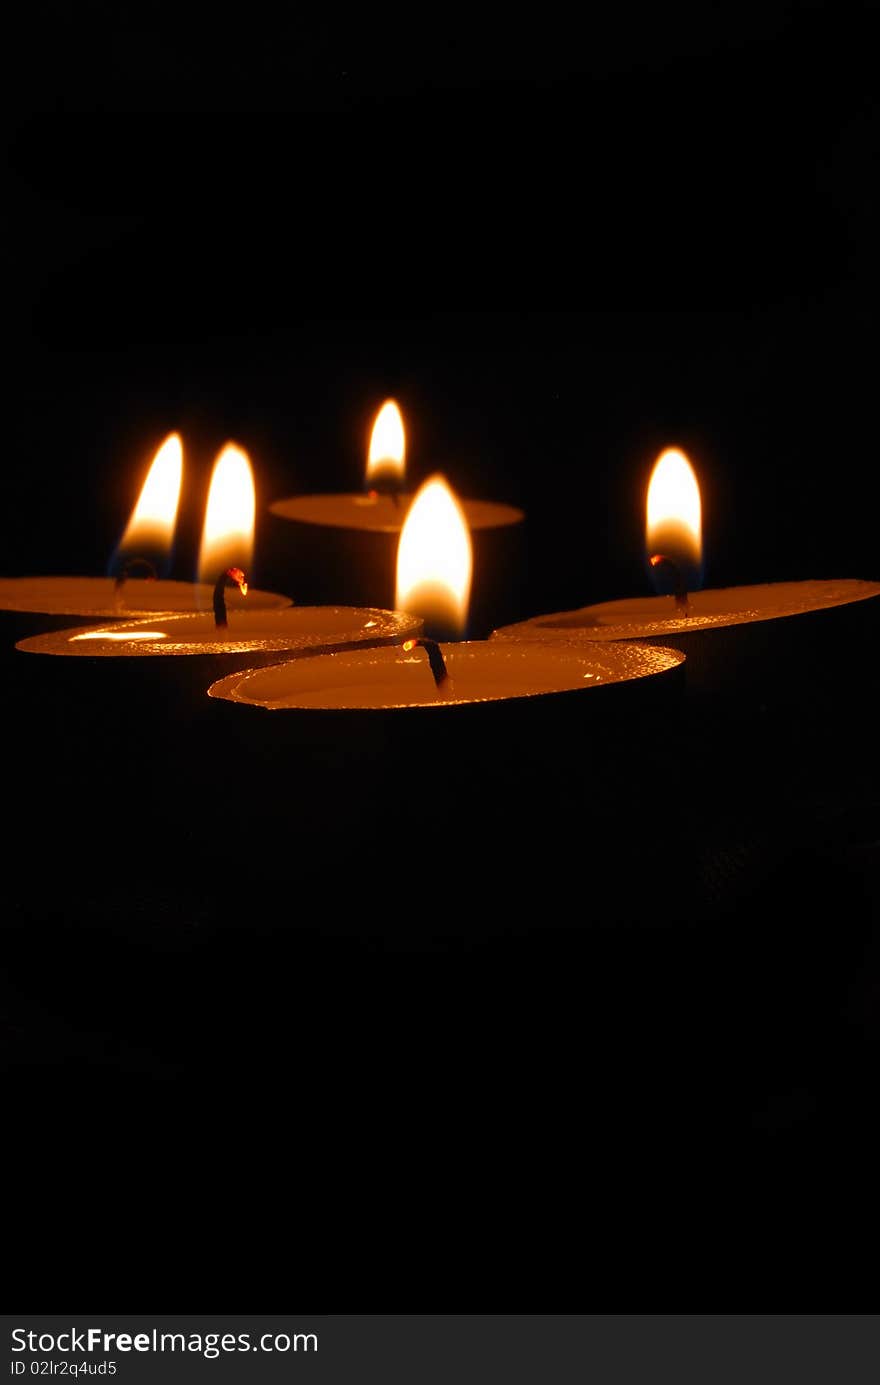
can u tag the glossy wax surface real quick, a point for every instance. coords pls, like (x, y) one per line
(295, 628)
(644, 617)
(478, 672)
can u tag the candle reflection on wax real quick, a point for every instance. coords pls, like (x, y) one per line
(119, 635)
(293, 629)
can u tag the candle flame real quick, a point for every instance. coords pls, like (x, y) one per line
(153, 518)
(387, 457)
(434, 558)
(228, 532)
(674, 518)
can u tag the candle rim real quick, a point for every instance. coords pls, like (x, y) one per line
(636, 662)
(71, 642)
(481, 514)
(570, 625)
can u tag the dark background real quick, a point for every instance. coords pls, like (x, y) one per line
(562, 245)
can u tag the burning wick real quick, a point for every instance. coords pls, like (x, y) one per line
(435, 658)
(129, 568)
(390, 488)
(230, 577)
(681, 596)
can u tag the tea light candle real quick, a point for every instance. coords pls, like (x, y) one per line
(733, 636)
(31, 604)
(248, 633)
(343, 547)
(479, 671)
(383, 505)
(767, 640)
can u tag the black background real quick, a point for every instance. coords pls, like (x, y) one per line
(562, 245)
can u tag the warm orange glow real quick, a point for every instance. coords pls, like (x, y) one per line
(125, 635)
(238, 577)
(434, 558)
(387, 458)
(409, 644)
(674, 519)
(153, 518)
(228, 532)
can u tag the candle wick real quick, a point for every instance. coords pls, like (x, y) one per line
(130, 567)
(127, 570)
(229, 577)
(387, 485)
(435, 658)
(682, 603)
